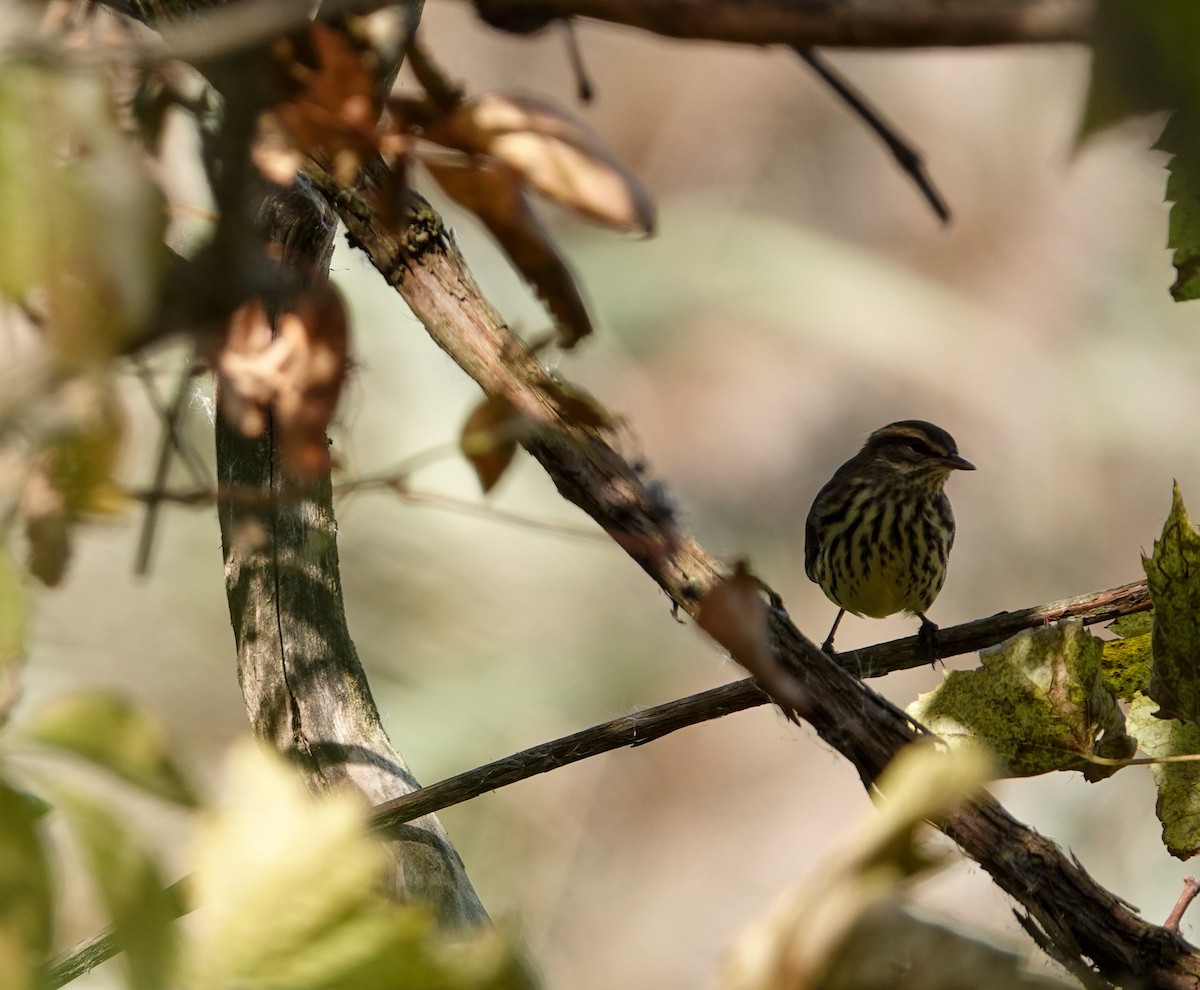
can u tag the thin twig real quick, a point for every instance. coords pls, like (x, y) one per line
(170, 440)
(653, 723)
(907, 157)
(1190, 889)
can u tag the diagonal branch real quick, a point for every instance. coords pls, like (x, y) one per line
(1076, 914)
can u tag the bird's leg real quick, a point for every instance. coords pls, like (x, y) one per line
(827, 646)
(927, 637)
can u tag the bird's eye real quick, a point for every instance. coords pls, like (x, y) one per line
(920, 447)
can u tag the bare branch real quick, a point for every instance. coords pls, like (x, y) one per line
(654, 723)
(837, 24)
(1191, 887)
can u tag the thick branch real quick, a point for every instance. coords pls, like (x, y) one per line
(840, 23)
(1075, 912)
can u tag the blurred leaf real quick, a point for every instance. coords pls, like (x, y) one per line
(557, 154)
(1143, 59)
(286, 892)
(1173, 577)
(82, 220)
(140, 908)
(14, 608)
(1178, 805)
(296, 372)
(1125, 666)
(328, 105)
(811, 936)
(73, 477)
(735, 615)
(1183, 193)
(26, 892)
(580, 407)
(1038, 701)
(892, 946)
(115, 735)
(496, 194)
(489, 438)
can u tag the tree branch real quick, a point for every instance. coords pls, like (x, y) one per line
(1075, 913)
(654, 723)
(838, 23)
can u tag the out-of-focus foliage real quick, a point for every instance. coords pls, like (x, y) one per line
(26, 896)
(83, 223)
(850, 928)
(286, 891)
(1038, 701)
(112, 734)
(72, 477)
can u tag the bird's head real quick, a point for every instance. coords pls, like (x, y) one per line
(916, 451)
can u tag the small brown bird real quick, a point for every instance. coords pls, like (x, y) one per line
(880, 531)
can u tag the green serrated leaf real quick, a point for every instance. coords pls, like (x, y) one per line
(139, 906)
(26, 893)
(286, 891)
(1173, 577)
(13, 609)
(83, 220)
(1178, 805)
(1038, 702)
(1183, 193)
(115, 734)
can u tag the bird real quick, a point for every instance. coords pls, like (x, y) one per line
(879, 532)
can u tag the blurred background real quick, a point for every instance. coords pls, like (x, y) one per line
(798, 294)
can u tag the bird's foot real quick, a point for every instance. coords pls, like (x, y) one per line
(927, 639)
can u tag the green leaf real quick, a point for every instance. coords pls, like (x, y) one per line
(140, 908)
(114, 734)
(1038, 702)
(1183, 193)
(1178, 805)
(13, 609)
(1125, 666)
(1143, 59)
(286, 891)
(26, 893)
(82, 220)
(1173, 577)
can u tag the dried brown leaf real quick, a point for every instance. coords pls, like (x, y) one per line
(329, 106)
(556, 153)
(295, 372)
(735, 615)
(495, 194)
(489, 438)
(72, 478)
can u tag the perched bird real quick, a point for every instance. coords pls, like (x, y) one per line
(879, 532)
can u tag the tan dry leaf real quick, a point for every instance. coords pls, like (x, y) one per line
(489, 438)
(495, 194)
(557, 154)
(330, 107)
(296, 373)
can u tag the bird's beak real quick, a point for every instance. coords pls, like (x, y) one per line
(956, 463)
